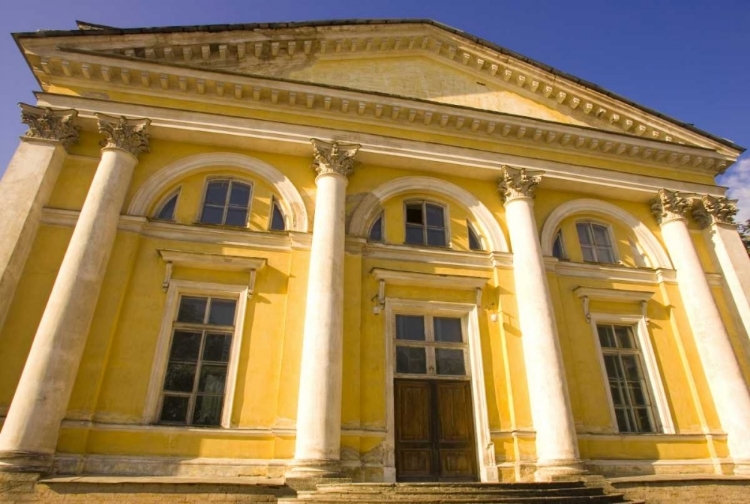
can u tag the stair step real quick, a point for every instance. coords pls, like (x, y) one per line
(574, 499)
(431, 494)
(441, 487)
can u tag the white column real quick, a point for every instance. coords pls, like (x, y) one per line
(556, 444)
(716, 216)
(30, 432)
(317, 449)
(730, 393)
(26, 188)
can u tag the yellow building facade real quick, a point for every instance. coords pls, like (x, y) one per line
(390, 251)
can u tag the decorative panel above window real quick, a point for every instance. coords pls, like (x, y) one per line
(596, 242)
(425, 224)
(226, 202)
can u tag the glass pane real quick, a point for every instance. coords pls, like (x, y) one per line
(222, 312)
(376, 231)
(622, 422)
(208, 410)
(643, 420)
(410, 360)
(236, 217)
(624, 337)
(216, 193)
(435, 216)
(240, 195)
(410, 327)
(588, 254)
(179, 377)
(474, 243)
(632, 367)
(613, 367)
(606, 336)
(449, 361)
(414, 234)
(174, 409)
(212, 378)
(637, 395)
(167, 211)
(192, 309)
(557, 247)
(217, 347)
(605, 254)
(447, 329)
(414, 213)
(436, 237)
(583, 233)
(277, 220)
(212, 215)
(601, 235)
(185, 346)
(617, 398)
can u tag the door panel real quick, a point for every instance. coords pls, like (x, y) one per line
(415, 460)
(455, 441)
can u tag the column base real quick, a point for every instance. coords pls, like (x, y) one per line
(306, 474)
(559, 470)
(25, 462)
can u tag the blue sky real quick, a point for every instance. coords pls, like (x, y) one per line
(688, 59)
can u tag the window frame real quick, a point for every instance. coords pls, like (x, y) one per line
(274, 205)
(662, 416)
(177, 289)
(163, 202)
(610, 235)
(471, 228)
(446, 222)
(230, 179)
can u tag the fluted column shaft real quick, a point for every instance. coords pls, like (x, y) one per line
(730, 393)
(556, 443)
(29, 435)
(26, 187)
(317, 449)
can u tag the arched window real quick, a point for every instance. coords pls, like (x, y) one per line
(277, 217)
(474, 242)
(226, 202)
(558, 247)
(425, 224)
(376, 230)
(166, 212)
(596, 242)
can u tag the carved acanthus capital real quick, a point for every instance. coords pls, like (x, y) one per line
(517, 183)
(50, 124)
(121, 133)
(333, 157)
(670, 205)
(715, 210)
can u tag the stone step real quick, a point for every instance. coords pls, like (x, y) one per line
(419, 494)
(430, 486)
(575, 499)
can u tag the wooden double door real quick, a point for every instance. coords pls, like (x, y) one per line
(434, 430)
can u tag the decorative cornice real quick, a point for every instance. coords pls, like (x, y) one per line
(516, 183)
(670, 205)
(49, 124)
(130, 135)
(715, 210)
(333, 157)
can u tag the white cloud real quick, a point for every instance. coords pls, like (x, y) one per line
(737, 178)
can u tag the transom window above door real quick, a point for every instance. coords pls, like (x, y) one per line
(428, 345)
(425, 224)
(226, 203)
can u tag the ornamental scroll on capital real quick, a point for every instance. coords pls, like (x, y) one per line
(715, 210)
(49, 124)
(333, 157)
(517, 183)
(670, 205)
(121, 133)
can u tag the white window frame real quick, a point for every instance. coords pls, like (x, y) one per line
(654, 382)
(177, 289)
(446, 222)
(215, 178)
(430, 345)
(612, 242)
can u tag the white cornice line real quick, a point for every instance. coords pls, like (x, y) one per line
(372, 144)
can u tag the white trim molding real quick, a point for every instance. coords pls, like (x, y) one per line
(202, 260)
(653, 249)
(290, 199)
(371, 206)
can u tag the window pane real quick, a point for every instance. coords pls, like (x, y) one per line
(376, 231)
(277, 220)
(216, 193)
(212, 378)
(624, 337)
(179, 377)
(605, 254)
(192, 309)
(207, 410)
(449, 361)
(217, 347)
(240, 195)
(410, 360)
(557, 247)
(222, 312)
(617, 397)
(613, 367)
(436, 237)
(167, 211)
(637, 395)
(643, 420)
(588, 254)
(236, 217)
(212, 215)
(414, 234)
(185, 346)
(435, 216)
(474, 242)
(606, 336)
(632, 367)
(414, 214)
(622, 420)
(174, 409)
(447, 329)
(601, 235)
(583, 233)
(410, 327)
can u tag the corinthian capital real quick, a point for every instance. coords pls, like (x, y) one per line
(669, 206)
(333, 157)
(127, 134)
(49, 124)
(516, 183)
(715, 210)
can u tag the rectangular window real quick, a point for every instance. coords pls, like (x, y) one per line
(226, 202)
(430, 346)
(596, 245)
(425, 224)
(199, 354)
(628, 386)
